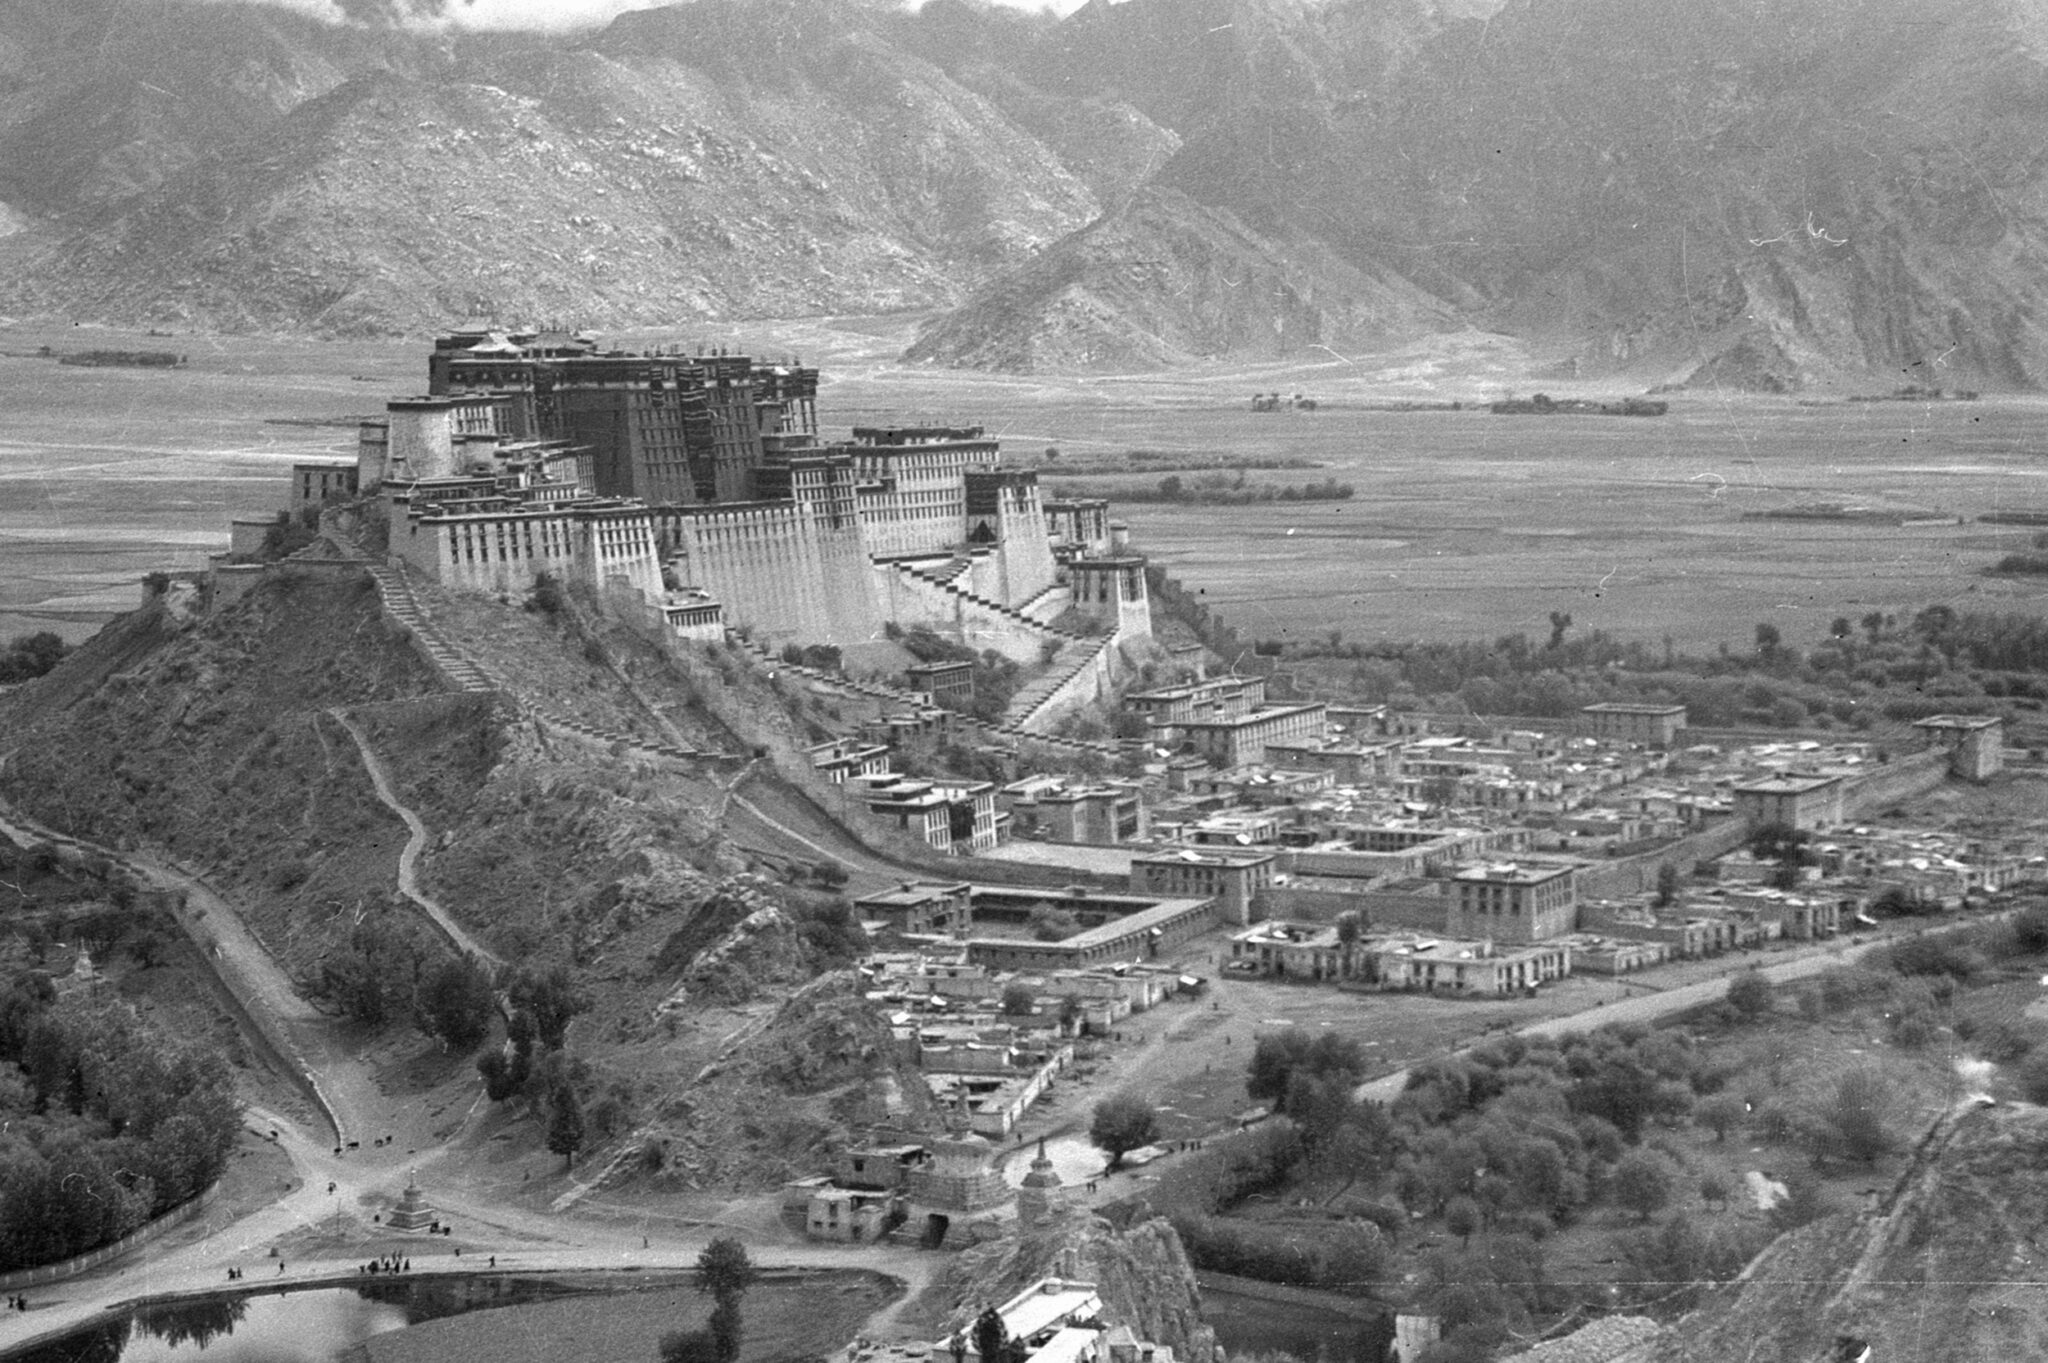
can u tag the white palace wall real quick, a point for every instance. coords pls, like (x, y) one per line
(913, 500)
(781, 569)
(501, 554)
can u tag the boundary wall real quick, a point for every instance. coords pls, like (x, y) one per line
(1633, 875)
(153, 1229)
(1902, 778)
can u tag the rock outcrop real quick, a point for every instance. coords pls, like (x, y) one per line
(1142, 1275)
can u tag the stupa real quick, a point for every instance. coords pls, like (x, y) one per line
(1041, 1194)
(412, 1211)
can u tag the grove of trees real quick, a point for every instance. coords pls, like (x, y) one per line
(104, 1123)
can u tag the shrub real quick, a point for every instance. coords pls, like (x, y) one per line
(1854, 1124)
(1643, 1182)
(1749, 994)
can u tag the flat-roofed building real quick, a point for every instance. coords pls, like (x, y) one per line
(1241, 741)
(1098, 815)
(313, 484)
(1652, 725)
(1975, 743)
(1437, 965)
(1135, 936)
(1349, 761)
(1292, 951)
(845, 757)
(949, 815)
(1232, 879)
(919, 906)
(1213, 698)
(1514, 901)
(949, 683)
(1796, 801)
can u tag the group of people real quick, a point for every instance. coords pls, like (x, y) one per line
(389, 1263)
(17, 1303)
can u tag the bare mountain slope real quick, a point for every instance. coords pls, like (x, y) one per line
(662, 171)
(1163, 281)
(1765, 196)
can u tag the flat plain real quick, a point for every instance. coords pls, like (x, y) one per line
(1464, 524)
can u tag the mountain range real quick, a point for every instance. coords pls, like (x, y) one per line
(1761, 196)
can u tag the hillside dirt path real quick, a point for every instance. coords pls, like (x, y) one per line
(415, 843)
(336, 1184)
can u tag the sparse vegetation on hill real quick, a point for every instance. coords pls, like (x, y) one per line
(609, 885)
(28, 656)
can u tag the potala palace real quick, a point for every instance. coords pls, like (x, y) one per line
(701, 487)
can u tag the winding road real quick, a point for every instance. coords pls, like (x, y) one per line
(415, 843)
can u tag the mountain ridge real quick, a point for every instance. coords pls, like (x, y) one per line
(1823, 193)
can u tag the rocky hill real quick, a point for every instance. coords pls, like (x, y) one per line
(1763, 198)
(238, 742)
(1946, 1275)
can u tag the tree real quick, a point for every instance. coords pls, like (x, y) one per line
(1749, 994)
(990, 1336)
(689, 1346)
(1461, 1218)
(1642, 1182)
(726, 1272)
(31, 655)
(1279, 1054)
(565, 1128)
(370, 977)
(1318, 1106)
(1667, 884)
(1721, 1113)
(1120, 1125)
(1350, 928)
(502, 1077)
(1020, 1000)
(1049, 924)
(1768, 641)
(1560, 621)
(1853, 1125)
(1714, 1190)
(457, 1004)
(553, 1001)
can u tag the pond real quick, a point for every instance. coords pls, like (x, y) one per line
(554, 1318)
(1248, 1324)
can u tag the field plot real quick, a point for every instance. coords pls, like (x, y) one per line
(1464, 524)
